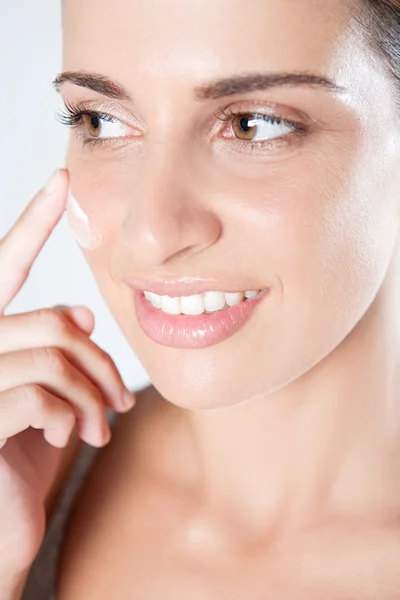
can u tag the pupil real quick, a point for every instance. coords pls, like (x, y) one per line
(95, 122)
(244, 124)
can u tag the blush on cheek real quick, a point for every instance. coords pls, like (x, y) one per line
(86, 236)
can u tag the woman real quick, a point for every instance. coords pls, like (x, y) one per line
(217, 148)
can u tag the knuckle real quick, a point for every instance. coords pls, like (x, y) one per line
(97, 399)
(56, 361)
(70, 416)
(65, 415)
(96, 404)
(108, 364)
(53, 358)
(34, 396)
(53, 321)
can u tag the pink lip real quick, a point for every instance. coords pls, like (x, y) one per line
(199, 331)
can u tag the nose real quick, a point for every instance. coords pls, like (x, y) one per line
(169, 216)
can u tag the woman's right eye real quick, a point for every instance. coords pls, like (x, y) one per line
(104, 126)
(98, 125)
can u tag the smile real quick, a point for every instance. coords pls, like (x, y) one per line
(199, 304)
(212, 320)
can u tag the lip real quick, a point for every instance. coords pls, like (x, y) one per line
(185, 286)
(197, 331)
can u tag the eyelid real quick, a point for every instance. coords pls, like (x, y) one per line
(258, 108)
(267, 108)
(250, 106)
(112, 109)
(254, 107)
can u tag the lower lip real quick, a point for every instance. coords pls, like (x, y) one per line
(198, 331)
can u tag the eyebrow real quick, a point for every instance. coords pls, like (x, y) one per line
(93, 81)
(219, 88)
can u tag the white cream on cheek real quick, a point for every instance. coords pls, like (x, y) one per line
(86, 236)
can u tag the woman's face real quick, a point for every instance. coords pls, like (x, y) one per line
(183, 188)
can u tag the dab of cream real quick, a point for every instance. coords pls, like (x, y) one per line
(79, 224)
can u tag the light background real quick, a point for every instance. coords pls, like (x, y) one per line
(33, 144)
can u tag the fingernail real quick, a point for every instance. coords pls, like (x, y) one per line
(51, 185)
(128, 399)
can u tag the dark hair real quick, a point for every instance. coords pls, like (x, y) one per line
(380, 25)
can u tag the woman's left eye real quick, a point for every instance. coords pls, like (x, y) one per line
(259, 128)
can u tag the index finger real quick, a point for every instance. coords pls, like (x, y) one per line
(21, 245)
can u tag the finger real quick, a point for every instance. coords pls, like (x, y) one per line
(50, 369)
(51, 328)
(80, 316)
(32, 406)
(21, 245)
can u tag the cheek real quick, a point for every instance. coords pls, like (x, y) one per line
(93, 213)
(327, 240)
(87, 236)
(332, 266)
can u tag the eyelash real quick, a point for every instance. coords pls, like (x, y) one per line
(73, 115)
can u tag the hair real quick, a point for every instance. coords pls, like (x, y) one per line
(380, 26)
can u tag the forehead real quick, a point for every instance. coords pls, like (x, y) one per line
(168, 47)
(180, 35)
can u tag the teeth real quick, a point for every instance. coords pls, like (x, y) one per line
(234, 298)
(192, 305)
(250, 294)
(214, 301)
(169, 305)
(156, 300)
(198, 303)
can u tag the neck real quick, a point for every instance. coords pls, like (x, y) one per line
(326, 445)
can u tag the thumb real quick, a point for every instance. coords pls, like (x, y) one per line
(81, 316)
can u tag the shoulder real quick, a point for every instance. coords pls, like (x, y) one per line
(68, 458)
(148, 399)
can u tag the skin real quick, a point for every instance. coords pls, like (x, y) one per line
(307, 392)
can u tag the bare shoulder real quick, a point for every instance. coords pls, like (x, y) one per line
(151, 441)
(136, 497)
(68, 457)
(147, 398)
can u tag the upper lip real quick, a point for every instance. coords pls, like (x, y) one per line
(185, 286)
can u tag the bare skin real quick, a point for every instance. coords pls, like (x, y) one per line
(54, 387)
(266, 466)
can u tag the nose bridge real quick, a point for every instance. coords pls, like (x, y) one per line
(167, 214)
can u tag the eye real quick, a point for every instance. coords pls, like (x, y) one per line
(98, 127)
(104, 126)
(259, 128)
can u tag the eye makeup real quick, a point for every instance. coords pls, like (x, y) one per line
(78, 221)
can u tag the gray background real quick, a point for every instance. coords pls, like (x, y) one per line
(33, 144)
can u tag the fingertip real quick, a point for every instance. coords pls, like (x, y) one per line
(65, 176)
(57, 437)
(58, 180)
(83, 317)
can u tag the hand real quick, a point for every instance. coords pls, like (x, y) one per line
(52, 378)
